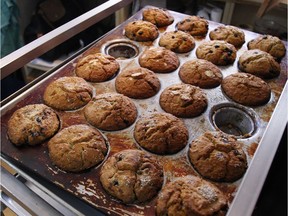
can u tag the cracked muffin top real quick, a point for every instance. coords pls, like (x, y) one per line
(200, 72)
(140, 30)
(132, 176)
(246, 89)
(158, 16)
(268, 43)
(32, 124)
(77, 148)
(159, 60)
(138, 83)
(68, 93)
(230, 34)
(97, 67)
(111, 111)
(161, 133)
(183, 100)
(259, 63)
(194, 25)
(218, 156)
(191, 195)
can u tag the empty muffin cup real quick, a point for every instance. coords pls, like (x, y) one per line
(121, 50)
(234, 120)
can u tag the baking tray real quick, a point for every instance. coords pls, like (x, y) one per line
(86, 185)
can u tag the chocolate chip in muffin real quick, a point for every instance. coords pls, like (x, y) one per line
(32, 124)
(141, 31)
(132, 176)
(158, 16)
(177, 41)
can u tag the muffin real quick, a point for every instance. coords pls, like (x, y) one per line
(138, 82)
(97, 67)
(191, 195)
(177, 41)
(32, 124)
(200, 72)
(268, 43)
(218, 52)
(77, 148)
(111, 111)
(259, 63)
(68, 93)
(183, 100)
(230, 34)
(132, 176)
(246, 89)
(158, 16)
(159, 60)
(161, 133)
(194, 25)
(218, 157)
(140, 30)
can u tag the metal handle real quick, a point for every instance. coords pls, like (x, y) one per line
(26, 198)
(36, 48)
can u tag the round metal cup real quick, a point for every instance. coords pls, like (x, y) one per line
(234, 120)
(121, 49)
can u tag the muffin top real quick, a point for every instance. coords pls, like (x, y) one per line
(97, 67)
(230, 34)
(268, 43)
(191, 195)
(194, 25)
(158, 16)
(140, 30)
(218, 156)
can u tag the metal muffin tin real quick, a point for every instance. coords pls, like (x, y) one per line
(249, 124)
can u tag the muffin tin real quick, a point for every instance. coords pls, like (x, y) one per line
(247, 123)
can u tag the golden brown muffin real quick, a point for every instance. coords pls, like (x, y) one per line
(32, 124)
(111, 111)
(158, 16)
(230, 34)
(183, 100)
(77, 148)
(216, 51)
(141, 31)
(132, 176)
(194, 25)
(97, 67)
(191, 196)
(68, 93)
(246, 89)
(138, 82)
(177, 41)
(259, 63)
(161, 133)
(159, 60)
(268, 43)
(200, 72)
(218, 156)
